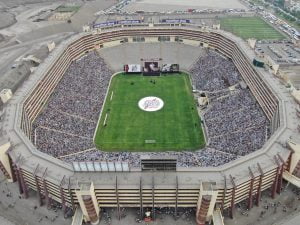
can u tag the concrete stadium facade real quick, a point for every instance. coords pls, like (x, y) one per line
(208, 189)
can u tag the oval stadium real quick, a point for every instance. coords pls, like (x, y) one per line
(151, 116)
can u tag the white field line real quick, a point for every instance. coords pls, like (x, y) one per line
(100, 114)
(105, 119)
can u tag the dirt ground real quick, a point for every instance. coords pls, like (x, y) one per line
(6, 19)
(14, 3)
(173, 5)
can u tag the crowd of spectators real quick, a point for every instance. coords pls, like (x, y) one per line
(212, 73)
(234, 121)
(68, 121)
(235, 124)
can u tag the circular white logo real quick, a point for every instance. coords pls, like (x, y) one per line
(151, 104)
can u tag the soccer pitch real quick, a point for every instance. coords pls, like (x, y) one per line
(250, 27)
(124, 126)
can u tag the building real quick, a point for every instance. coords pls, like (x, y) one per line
(89, 188)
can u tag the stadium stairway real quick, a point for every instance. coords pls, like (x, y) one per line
(78, 217)
(291, 178)
(217, 217)
(4, 160)
(292, 175)
(296, 171)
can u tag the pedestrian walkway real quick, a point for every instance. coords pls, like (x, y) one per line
(5, 221)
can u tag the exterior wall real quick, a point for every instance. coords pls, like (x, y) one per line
(132, 197)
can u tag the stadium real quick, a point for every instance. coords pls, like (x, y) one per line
(64, 128)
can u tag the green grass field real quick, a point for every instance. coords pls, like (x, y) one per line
(176, 126)
(250, 27)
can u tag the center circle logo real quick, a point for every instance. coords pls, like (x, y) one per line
(151, 104)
